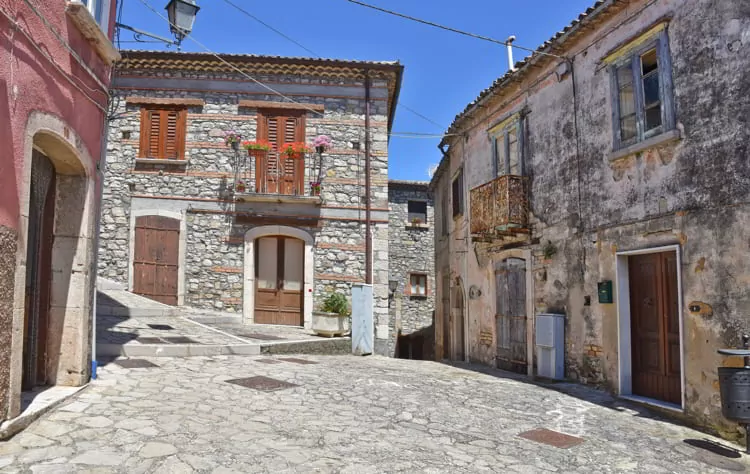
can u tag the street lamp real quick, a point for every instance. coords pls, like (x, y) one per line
(181, 17)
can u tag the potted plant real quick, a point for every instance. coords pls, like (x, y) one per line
(322, 143)
(333, 317)
(240, 187)
(256, 148)
(233, 139)
(295, 150)
(315, 188)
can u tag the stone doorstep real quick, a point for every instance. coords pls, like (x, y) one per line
(45, 401)
(175, 350)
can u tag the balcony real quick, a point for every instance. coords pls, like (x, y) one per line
(274, 177)
(500, 208)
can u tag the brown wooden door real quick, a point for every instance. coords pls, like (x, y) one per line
(156, 258)
(655, 332)
(510, 292)
(279, 280)
(458, 324)
(446, 309)
(277, 173)
(38, 270)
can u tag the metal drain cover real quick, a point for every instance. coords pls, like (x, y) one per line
(135, 364)
(264, 384)
(552, 438)
(161, 327)
(150, 340)
(294, 360)
(179, 340)
(268, 361)
(262, 337)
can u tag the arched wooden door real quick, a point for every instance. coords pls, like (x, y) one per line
(156, 258)
(279, 280)
(457, 314)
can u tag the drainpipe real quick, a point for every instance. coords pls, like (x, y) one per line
(368, 200)
(509, 46)
(467, 242)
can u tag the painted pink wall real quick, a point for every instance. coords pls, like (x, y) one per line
(29, 82)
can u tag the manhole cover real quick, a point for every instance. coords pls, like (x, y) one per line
(262, 337)
(294, 360)
(135, 364)
(268, 361)
(161, 327)
(553, 438)
(150, 340)
(264, 384)
(179, 340)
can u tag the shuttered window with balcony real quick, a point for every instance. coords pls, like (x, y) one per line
(163, 133)
(277, 173)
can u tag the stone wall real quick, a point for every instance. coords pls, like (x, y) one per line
(411, 251)
(8, 238)
(199, 189)
(588, 203)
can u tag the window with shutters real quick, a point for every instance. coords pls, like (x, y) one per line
(163, 133)
(276, 173)
(642, 93)
(458, 194)
(507, 147)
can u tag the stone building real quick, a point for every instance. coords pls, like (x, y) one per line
(55, 66)
(187, 220)
(606, 178)
(412, 267)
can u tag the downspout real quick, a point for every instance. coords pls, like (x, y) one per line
(97, 225)
(467, 242)
(581, 226)
(368, 200)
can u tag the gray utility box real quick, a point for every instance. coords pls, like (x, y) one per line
(550, 345)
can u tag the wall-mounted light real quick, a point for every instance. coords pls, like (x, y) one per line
(392, 287)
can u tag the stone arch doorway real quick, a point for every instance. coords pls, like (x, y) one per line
(458, 320)
(53, 290)
(278, 276)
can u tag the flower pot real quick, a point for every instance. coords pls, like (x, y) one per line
(320, 149)
(241, 188)
(295, 155)
(329, 324)
(257, 153)
(235, 146)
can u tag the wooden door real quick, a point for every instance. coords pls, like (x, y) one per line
(446, 309)
(38, 270)
(655, 331)
(279, 280)
(277, 173)
(511, 318)
(458, 324)
(156, 258)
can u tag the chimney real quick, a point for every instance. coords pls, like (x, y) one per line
(509, 45)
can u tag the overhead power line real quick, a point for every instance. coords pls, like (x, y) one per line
(271, 89)
(454, 30)
(292, 40)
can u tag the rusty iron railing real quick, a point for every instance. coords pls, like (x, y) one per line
(501, 205)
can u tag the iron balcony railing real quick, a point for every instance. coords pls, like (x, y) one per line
(500, 206)
(277, 174)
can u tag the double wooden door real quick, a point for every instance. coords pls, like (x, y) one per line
(277, 173)
(279, 280)
(156, 258)
(511, 318)
(655, 326)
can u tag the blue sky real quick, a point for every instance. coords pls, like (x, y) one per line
(443, 71)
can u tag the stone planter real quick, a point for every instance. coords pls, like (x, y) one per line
(329, 324)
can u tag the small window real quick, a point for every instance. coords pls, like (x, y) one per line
(508, 149)
(444, 213)
(417, 284)
(417, 212)
(163, 133)
(642, 94)
(458, 194)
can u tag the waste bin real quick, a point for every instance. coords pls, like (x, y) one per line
(734, 385)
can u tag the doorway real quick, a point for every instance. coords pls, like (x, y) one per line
(650, 326)
(156, 258)
(279, 278)
(457, 317)
(38, 271)
(511, 317)
(446, 311)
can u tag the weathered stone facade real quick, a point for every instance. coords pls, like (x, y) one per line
(412, 250)
(198, 191)
(683, 192)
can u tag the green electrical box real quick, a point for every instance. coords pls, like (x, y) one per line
(605, 292)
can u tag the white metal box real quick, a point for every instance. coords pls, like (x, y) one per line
(550, 345)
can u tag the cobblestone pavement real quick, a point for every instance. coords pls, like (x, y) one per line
(346, 414)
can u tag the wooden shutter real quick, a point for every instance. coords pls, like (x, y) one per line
(163, 133)
(281, 174)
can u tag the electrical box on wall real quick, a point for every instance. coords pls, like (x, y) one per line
(605, 292)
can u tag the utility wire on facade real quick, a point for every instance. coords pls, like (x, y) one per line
(292, 40)
(271, 89)
(454, 30)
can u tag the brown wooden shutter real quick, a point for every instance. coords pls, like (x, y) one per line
(163, 134)
(281, 174)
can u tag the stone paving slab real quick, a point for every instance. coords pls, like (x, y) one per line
(347, 415)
